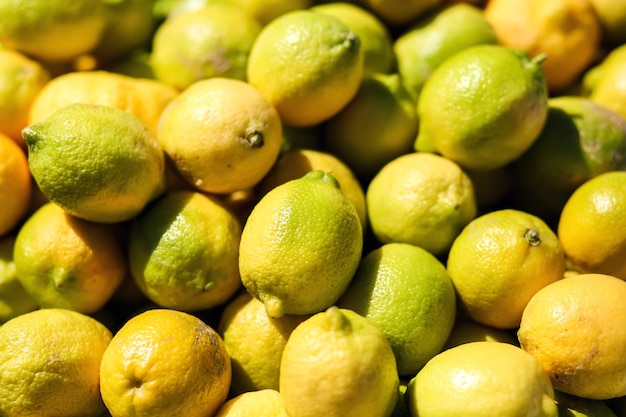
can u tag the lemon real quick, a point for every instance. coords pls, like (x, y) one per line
(14, 300)
(164, 362)
(420, 198)
(408, 294)
(612, 17)
(375, 37)
(255, 343)
(592, 227)
(378, 125)
(66, 262)
(307, 64)
(604, 83)
(296, 162)
(21, 80)
(580, 140)
(493, 116)
(99, 163)
(49, 364)
(301, 246)
(499, 261)
(567, 32)
(435, 37)
(144, 98)
(15, 184)
(396, 13)
(338, 364)
(265, 403)
(221, 134)
(267, 10)
(570, 405)
(52, 30)
(482, 379)
(573, 328)
(183, 251)
(212, 41)
(466, 330)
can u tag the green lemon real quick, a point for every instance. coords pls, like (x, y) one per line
(572, 406)
(99, 163)
(437, 36)
(483, 107)
(14, 300)
(301, 245)
(183, 251)
(407, 293)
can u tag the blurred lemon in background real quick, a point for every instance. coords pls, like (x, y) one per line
(14, 300)
(15, 184)
(266, 403)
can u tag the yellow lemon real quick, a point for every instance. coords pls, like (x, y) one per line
(21, 80)
(221, 134)
(297, 162)
(163, 363)
(15, 184)
(612, 16)
(378, 125)
(50, 363)
(604, 83)
(499, 261)
(261, 403)
(438, 35)
(375, 37)
(255, 343)
(338, 364)
(482, 379)
(144, 98)
(267, 10)
(422, 199)
(66, 262)
(408, 294)
(301, 246)
(567, 32)
(183, 251)
(50, 30)
(99, 163)
(307, 64)
(14, 300)
(396, 13)
(592, 226)
(489, 119)
(574, 329)
(211, 41)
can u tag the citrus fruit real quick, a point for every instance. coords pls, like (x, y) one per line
(573, 328)
(15, 184)
(408, 294)
(604, 83)
(570, 405)
(266, 403)
(144, 98)
(165, 362)
(482, 379)
(267, 10)
(396, 13)
(592, 226)
(489, 119)
(580, 140)
(21, 80)
(612, 17)
(466, 330)
(375, 37)
(307, 64)
(435, 37)
(338, 364)
(254, 342)
(49, 364)
(297, 162)
(567, 32)
(14, 300)
(420, 198)
(52, 30)
(378, 125)
(66, 262)
(212, 41)
(99, 163)
(499, 261)
(221, 134)
(183, 251)
(301, 246)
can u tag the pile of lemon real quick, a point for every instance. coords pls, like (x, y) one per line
(302, 208)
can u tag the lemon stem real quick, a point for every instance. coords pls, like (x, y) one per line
(537, 60)
(255, 139)
(532, 237)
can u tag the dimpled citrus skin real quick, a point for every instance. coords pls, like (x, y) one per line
(574, 329)
(49, 364)
(301, 245)
(163, 363)
(266, 403)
